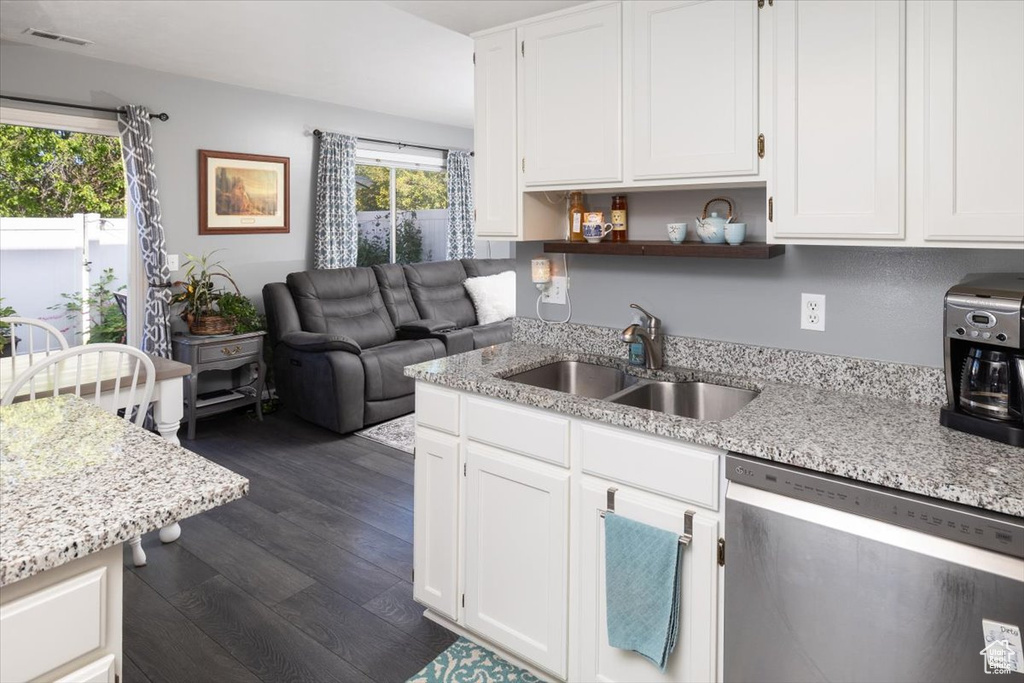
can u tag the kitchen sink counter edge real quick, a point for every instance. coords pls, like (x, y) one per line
(899, 445)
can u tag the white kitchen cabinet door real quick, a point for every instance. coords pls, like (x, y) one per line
(516, 566)
(839, 114)
(973, 152)
(695, 656)
(694, 88)
(436, 529)
(571, 98)
(494, 135)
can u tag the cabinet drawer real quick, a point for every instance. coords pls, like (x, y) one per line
(673, 469)
(228, 350)
(437, 408)
(49, 628)
(519, 430)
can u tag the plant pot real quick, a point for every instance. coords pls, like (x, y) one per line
(210, 324)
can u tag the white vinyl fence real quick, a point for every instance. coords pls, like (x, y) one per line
(41, 258)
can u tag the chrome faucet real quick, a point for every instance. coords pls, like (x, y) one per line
(653, 343)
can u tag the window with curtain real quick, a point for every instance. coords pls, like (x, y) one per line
(401, 206)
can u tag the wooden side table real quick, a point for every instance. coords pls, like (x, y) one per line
(220, 352)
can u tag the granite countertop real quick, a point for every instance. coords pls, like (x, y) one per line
(75, 479)
(893, 443)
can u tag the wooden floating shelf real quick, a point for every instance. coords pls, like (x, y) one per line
(747, 250)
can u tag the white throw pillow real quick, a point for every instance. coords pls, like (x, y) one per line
(494, 296)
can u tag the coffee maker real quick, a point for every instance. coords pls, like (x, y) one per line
(984, 357)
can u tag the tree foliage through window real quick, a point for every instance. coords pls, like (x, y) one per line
(52, 173)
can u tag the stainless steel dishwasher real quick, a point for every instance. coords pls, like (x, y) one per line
(827, 579)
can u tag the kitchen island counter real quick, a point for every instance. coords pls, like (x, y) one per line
(75, 480)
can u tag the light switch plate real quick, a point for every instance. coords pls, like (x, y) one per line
(555, 292)
(172, 262)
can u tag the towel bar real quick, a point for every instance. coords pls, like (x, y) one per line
(687, 534)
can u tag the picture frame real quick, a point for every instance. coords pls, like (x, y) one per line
(243, 194)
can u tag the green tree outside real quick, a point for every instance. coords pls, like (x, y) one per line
(52, 174)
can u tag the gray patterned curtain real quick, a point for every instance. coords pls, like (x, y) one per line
(144, 203)
(336, 238)
(460, 206)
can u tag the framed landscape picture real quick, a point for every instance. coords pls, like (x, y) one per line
(242, 194)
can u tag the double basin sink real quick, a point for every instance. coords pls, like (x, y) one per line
(697, 400)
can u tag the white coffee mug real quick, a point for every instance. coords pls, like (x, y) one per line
(595, 232)
(735, 233)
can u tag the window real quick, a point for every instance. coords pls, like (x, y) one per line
(401, 207)
(62, 212)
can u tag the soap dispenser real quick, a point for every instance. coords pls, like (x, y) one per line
(636, 349)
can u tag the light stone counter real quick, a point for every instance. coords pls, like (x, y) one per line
(893, 442)
(75, 480)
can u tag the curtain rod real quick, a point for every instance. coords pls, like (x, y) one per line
(317, 132)
(162, 116)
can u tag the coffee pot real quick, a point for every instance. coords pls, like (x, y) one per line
(991, 384)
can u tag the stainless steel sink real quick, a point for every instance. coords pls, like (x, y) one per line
(698, 400)
(574, 377)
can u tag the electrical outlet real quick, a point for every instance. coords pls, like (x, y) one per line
(555, 292)
(172, 262)
(812, 312)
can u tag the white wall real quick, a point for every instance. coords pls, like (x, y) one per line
(208, 115)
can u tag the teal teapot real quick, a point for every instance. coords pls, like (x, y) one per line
(711, 229)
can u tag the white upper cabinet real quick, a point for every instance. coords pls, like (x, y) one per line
(494, 135)
(694, 87)
(839, 113)
(972, 157)
(571, 98)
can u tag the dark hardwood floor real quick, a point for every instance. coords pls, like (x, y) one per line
(305, 580)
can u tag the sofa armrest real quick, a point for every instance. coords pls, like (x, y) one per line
(318, 341)
(428, 326)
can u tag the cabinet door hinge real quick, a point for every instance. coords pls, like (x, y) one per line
(463, 599)
(721, 552)
(760, 146)
(760, 4)
(413, 575)
(463, 469)
(474, 59)
(522, 48)
(524, 164)
(771, 208)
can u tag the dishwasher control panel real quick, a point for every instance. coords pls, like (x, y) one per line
(980, 528)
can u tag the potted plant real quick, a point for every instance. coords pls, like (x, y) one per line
(5, 330)
(199, 295)
(241, 312)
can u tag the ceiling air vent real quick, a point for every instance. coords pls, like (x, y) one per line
(59, 37)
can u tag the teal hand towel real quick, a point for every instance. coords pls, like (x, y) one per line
(642, 581)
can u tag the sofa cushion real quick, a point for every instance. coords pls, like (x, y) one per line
(395, 292)
(488, 335)
(479, 267)
(438, 292)
(383, 365)
(493, 296)
(344, 301)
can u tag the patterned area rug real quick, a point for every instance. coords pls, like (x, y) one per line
(467, 662)
(399, 433)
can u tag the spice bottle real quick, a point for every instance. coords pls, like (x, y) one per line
(576, 210)
(620, 228)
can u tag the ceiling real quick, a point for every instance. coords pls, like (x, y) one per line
(404, 58)
(469, 16)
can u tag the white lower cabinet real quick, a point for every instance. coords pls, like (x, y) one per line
(696, 653)
(436, 522)
(517, 559)
(509, 542)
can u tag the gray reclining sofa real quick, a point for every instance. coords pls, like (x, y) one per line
(341, 338)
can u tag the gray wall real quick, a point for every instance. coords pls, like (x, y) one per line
(881, 303)
(209, 115)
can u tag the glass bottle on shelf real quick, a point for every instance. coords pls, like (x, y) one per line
(620, 227)
(576, 210)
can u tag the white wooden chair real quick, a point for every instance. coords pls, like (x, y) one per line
(53, 340)
(131, 387)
